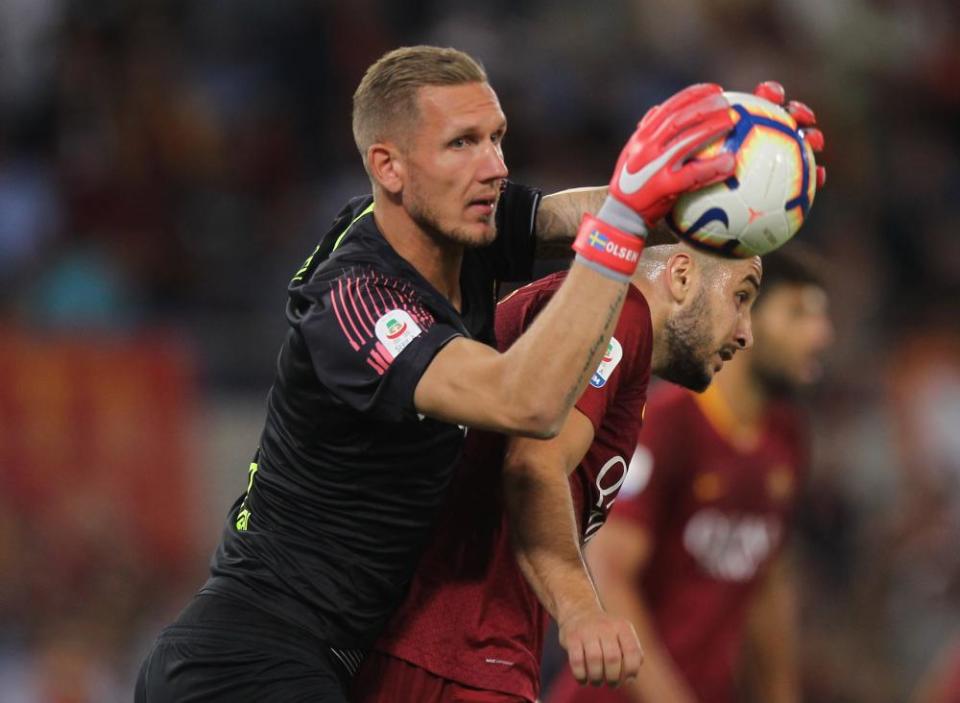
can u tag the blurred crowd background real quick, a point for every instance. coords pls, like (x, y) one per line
(165, 166)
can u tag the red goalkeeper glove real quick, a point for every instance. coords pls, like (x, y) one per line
(653, 169)
(806, 119)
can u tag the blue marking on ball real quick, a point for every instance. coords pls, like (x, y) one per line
(739, 134)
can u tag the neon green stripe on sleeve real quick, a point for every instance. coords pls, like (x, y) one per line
(367, 211)
(306, 264)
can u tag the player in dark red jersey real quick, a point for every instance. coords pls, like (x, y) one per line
(693, 551)
(941, 684)
(389, 357)
(472, 626)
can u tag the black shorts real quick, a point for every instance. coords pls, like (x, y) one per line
(220, 649)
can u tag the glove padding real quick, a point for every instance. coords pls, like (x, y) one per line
(654, 167)
(804, 116)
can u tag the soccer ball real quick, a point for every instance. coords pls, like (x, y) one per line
(766, 200)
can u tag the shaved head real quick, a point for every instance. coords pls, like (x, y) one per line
(705, 303)
(658, 254)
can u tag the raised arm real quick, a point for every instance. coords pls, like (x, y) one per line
(559, 216)
(531, 388)
(560, 213)
(601, 648)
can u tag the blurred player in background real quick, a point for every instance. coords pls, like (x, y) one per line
(389, 357)
(473, 622)
(693, 552)
(941, 683)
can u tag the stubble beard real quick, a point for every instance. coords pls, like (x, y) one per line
(688, 347)
(427, 219)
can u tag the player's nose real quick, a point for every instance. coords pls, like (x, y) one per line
(824, 332)
(492, 166)
(743, 336)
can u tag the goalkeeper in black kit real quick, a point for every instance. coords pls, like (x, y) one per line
(389, 358)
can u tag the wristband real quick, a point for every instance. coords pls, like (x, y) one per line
(607, 246)
(621, 216)
(602, 270)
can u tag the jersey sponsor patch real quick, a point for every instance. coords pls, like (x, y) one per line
(395, 330)
(731, 547)
(639, 472)
(607, 364)
(607, 485)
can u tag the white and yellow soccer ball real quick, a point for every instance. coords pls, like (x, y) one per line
(767, 199)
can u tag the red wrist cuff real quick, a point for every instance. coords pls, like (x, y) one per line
(608, 246)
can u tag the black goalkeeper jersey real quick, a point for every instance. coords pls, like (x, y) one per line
(348, 477)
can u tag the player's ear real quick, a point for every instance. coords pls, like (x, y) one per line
(681, 276)
(386, 167)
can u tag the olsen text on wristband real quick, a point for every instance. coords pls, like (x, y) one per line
(608, 247)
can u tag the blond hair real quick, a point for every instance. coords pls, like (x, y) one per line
(385, 102)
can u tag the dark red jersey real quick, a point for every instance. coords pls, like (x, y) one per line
(717, 508)
(944, 684)
(470, 615)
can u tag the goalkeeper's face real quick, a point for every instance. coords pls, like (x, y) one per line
(453, 167)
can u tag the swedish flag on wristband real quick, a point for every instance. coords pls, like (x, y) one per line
(607, 249)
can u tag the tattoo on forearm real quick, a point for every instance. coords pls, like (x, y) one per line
(588, 368)
(550, 220)
(559, 216)
(555, 231)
